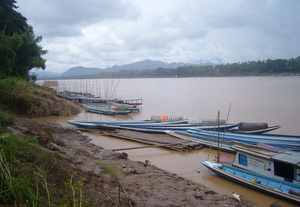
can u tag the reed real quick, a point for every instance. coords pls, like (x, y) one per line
(114, 172)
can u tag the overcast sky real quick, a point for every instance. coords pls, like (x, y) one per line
(104, 33)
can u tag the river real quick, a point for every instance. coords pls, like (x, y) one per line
(272, 100)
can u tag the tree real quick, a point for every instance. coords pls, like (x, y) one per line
(8, 47)
(19, 49)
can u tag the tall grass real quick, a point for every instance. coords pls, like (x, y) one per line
(16, 186)
(24, 97)
(5, 120)
(114, 172)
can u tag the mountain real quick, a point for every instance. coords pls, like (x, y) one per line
(145, 64)
(80, 70)
(46, 74)
(141, 65)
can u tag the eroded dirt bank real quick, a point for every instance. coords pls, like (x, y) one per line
(143, 185)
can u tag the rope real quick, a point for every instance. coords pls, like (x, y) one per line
(190, 171)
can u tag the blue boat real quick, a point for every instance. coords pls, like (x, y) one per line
(275, 172)
(108, 111)
(205, 142)
(282, 141)
(93, 124)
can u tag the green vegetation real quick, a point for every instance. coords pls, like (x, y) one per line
(114, 172)
(5, 120)
(19, 49)
(19, 174)
(28, 173)
(18, 94)
(249, 68)
(25, 98)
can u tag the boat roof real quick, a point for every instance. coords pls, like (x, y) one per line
(286, 156)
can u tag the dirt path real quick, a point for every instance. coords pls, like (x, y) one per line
(144, 185)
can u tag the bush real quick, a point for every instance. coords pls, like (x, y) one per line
(5, 120)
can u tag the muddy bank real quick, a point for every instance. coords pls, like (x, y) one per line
(141, 185)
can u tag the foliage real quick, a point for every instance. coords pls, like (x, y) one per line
(24, 167)
(20, 95)
(16, 180)
(5, 120)
(114, 172)
(19, 49)
(249, 68)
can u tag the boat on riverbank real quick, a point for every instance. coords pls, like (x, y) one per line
(174, 123)
(158, 128)
(275, 172)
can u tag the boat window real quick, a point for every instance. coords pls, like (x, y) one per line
(284, 170)
(243, 160)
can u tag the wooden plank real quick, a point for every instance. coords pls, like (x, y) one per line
(50, 84)
(170, 143)
(130, 148)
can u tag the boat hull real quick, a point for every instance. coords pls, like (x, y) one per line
(282, 141)
(205, 142)
(266, 185)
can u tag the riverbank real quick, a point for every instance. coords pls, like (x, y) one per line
(143, 185)
(72, 170)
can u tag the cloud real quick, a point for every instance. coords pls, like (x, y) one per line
(99, 33)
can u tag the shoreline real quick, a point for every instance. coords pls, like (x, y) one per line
(144, 185)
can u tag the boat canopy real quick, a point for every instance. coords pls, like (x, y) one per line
(290, 157)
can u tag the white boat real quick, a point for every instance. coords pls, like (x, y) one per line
(275, 172)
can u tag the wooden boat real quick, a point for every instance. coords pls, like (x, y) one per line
(88, 98)
(92, 124)
(153, 128)
(205, 142)
(275, 172)
(282, 141)
(258, 131)
(114, 127)
(184, 127)
(108, 111)
(153, 120)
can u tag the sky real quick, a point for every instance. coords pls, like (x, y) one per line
(104, 33)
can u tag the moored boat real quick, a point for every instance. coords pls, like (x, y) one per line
(290, 142)
(275, 172)
(206, 142)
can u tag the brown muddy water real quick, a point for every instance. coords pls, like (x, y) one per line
(273, 100)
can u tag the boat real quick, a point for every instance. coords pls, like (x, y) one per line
(253, 128)
(157, 127)
(154, 126)
(290, 142)
(87, 98)
(153, 120)
(273, 171)
(258, 131)
(93, 124)
(205, 142)
(109, 110)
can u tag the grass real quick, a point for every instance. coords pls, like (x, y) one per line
(114, 172)
(5, 120)
(28, 98)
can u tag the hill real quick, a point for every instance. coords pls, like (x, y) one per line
(141, 65)
(145, 64)
(42, 74)
(80, 70)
